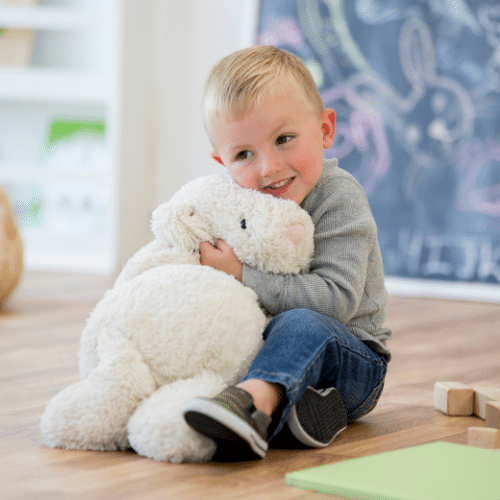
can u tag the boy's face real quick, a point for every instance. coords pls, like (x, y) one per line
(276, 146)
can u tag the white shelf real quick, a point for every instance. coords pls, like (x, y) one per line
(52, 18)
(88, 252)
(36, 175)
(54, 85)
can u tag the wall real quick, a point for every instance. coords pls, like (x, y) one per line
(191, 36)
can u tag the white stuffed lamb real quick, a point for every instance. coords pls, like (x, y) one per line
(171, 329)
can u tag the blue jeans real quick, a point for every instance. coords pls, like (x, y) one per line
(303, 348)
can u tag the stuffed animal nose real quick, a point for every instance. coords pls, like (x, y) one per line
(295, 233)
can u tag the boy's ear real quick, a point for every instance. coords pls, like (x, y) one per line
(328, 127)
(217, 158)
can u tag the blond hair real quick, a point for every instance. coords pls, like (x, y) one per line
(239, 80)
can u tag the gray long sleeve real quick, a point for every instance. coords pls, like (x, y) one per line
(346, 278)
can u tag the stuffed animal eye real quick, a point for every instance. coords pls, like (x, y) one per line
(243, 224)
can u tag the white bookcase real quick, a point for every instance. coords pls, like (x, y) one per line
(83, 203)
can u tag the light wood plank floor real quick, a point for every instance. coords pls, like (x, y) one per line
(39, 335)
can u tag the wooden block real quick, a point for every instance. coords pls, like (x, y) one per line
(483, 395)
(493, 414)
(454, 398)
(483, 437)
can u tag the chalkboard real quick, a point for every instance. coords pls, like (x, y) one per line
(416, 89)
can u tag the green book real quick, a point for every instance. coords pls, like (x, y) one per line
(435, 471)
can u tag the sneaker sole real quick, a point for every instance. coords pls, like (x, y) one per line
(308, 410)
(213, 421)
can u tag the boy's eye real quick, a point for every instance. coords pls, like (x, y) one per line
(283, 139)
(243, 155)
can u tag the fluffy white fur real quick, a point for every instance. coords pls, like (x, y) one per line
(170, 329)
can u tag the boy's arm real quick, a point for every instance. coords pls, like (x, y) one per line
(345, 235)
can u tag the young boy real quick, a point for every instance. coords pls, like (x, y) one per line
(324, 358)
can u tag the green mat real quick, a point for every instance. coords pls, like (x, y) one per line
(436, 471)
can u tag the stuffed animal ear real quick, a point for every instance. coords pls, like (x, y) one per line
(180, 226)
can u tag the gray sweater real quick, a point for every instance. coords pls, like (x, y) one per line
(346, 278)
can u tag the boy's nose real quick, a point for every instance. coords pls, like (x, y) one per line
(270, 164)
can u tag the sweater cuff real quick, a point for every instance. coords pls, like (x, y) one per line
(251, 277)
(268, 287)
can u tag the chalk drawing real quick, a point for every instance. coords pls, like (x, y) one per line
(489, 17)
(359, 127)
(416, 88)
(444, 256)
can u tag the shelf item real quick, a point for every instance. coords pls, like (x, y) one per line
(15, 46)
(16, 41)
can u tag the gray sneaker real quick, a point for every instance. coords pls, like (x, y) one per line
(231, 419)
(318, 417)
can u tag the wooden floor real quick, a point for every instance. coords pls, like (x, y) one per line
(39, 335)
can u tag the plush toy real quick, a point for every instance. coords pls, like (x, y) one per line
(171, 329)
(11, 249)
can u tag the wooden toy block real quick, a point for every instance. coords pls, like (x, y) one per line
(483, 437)
(493, 414)
(483, 395)
(454, 398)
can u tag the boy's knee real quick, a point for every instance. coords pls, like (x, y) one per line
(294, 318)
(308, 318)
(300, 322)
(299, 314)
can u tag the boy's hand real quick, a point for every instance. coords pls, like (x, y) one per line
(221, 257)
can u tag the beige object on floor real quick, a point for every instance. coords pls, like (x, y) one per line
(454, 398)
(11, 249)
(482, 396)
(483, 437)
(493, 414)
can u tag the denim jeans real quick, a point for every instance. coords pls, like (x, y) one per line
(303, 348)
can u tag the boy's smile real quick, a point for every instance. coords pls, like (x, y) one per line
(280, 187)
(276, 146)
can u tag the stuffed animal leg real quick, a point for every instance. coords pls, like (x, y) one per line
(157, 428)
(93, 413)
